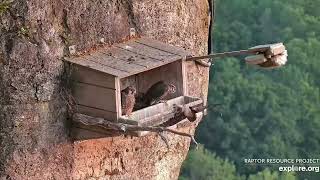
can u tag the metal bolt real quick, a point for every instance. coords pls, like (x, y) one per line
(132, 32)
(102, 40)
(72, 50)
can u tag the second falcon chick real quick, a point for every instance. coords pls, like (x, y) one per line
(158, 92)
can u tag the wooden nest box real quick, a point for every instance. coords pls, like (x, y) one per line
(99, 77)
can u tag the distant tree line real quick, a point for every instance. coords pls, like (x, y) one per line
(265, 113)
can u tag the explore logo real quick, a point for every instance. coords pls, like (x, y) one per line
(294, 168)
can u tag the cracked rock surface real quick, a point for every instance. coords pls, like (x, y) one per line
(34, 129)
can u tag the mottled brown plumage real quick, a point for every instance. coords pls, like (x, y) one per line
(158, 92)
(128, 100)
(139, 101)
(188, 112)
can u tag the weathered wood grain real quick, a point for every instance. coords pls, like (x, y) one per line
(94, 96)
(91, 111)
(131, 57)
(163, 46)
(120, 64)
(94, 77)
(147, 51)
(83, 61)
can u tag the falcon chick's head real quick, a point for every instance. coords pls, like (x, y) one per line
(132, 90)
(172, 88)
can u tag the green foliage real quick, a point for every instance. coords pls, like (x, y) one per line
(4, 6)
(265, 113)
(201, 164)
(268, 175)
(24, 31)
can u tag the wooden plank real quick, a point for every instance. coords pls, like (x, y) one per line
(157, 119)
(163, 46)
(109, 61)
(270, 49)
(147, 79)
(141, 65)
(83, 61)
(133, 58)
(163, 108)
(129, 81)
(86, 133)
(150, 52)
(130, 58)
(94, 96)
(184, 78)
(111, 116)
(91, 76)
(172, 73)
(276, 49)
(118, 98)
(169, 73)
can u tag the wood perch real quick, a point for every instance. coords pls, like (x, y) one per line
(100, 122)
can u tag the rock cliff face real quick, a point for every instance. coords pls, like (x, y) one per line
(34, 128)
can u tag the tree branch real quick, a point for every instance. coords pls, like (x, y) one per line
(100, 122)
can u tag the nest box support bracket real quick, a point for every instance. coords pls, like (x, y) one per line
(93, 121)
(267, 56)
(224, 54)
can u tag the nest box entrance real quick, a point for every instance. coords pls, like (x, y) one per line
(100, 77)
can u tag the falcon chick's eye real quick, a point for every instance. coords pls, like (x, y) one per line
(172, 88)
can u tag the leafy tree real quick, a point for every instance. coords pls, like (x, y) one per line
(265, 114)
(204, 165)
(201, 164)
(269, 175)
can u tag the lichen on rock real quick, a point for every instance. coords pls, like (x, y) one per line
(34, 126)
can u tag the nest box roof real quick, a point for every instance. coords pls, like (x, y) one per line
(131, 57)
